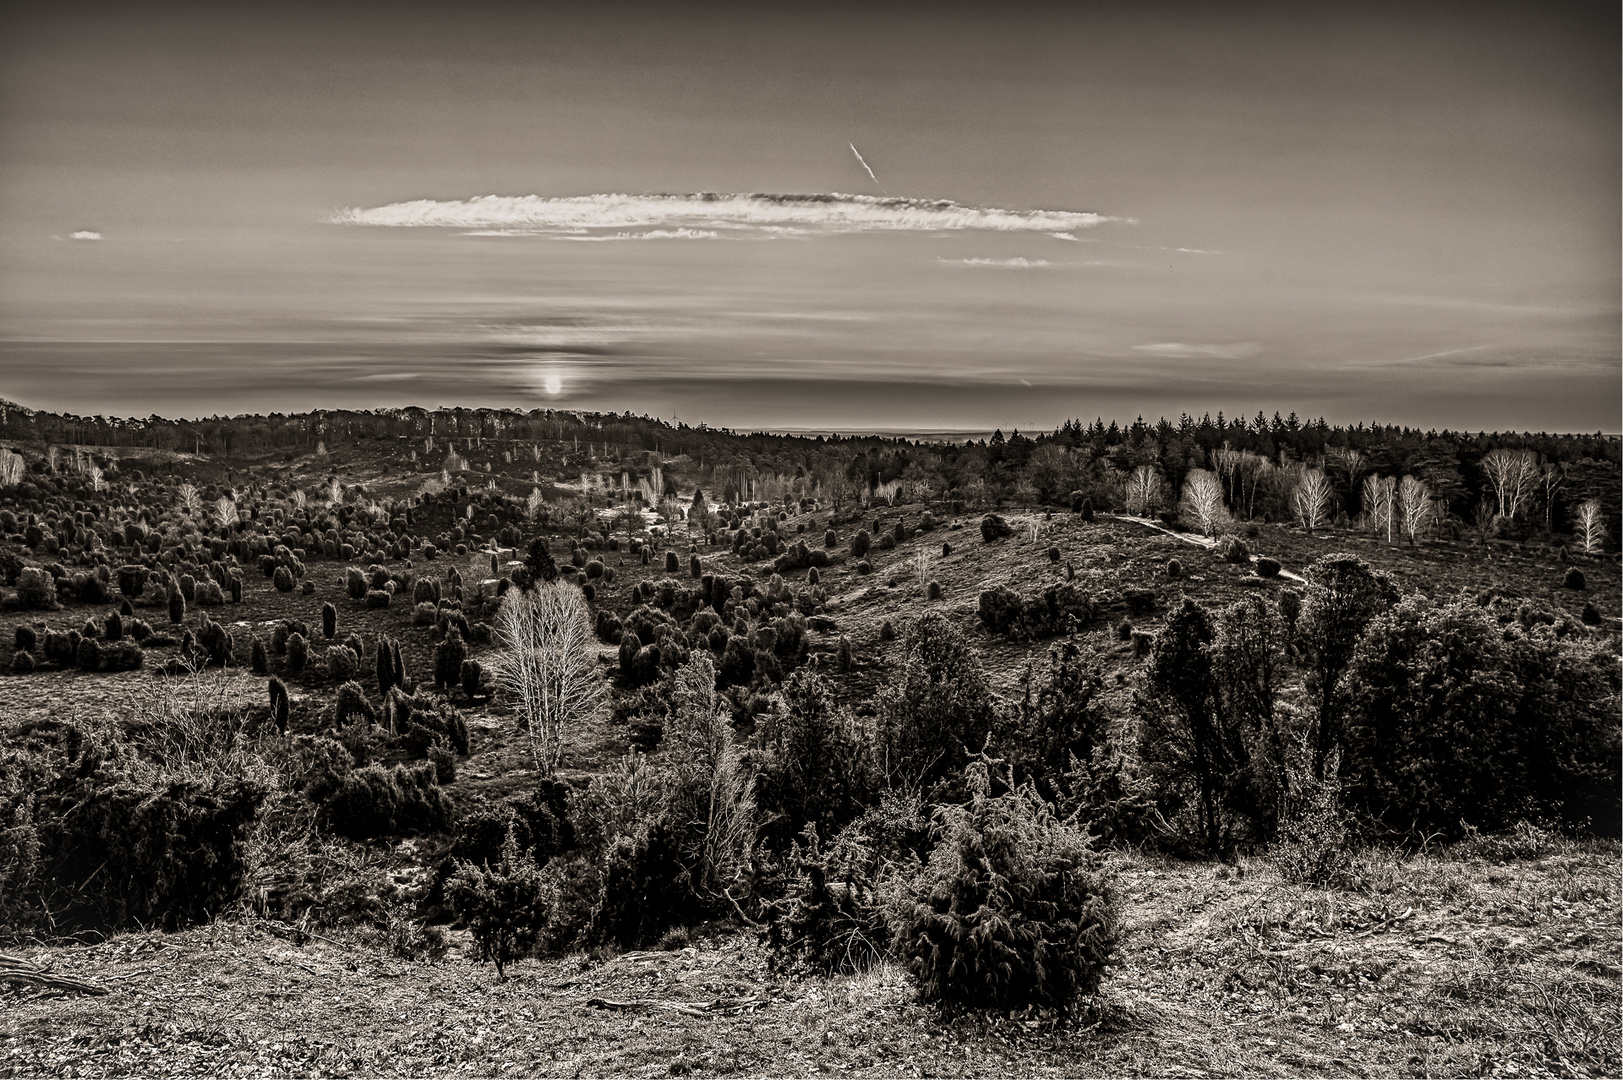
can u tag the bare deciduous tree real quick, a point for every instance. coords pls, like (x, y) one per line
(1590, 526)
(225, 511)
(547, 663)
(1511, 474)
(1552, 476)
(1203, 500)
(1143, 491)
(1415, 507)
(189, 500)
(1310, 502)
(1380, 501)
(11, 468)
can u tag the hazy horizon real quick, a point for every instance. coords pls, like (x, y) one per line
(1397, 213)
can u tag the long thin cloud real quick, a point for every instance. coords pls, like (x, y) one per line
(756, 213)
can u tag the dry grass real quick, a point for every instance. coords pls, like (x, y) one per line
(1437, 966)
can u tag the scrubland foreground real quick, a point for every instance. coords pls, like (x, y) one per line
(1490, 961)
(334, 760)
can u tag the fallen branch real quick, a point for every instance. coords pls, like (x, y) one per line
(36, 977)
(718, 1007)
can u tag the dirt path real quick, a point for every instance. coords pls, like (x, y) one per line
(1206, 542)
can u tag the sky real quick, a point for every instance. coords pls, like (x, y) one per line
(1406, 213)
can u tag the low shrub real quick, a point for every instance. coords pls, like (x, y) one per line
(298, 653)
(1174, 569)
(505, 906)
(1573, 579)
(993, 527)
(1266, 567)
(1011, 910)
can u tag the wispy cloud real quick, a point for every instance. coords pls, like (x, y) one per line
(1179, 350)
(1018, 263)
(686, 216)
(654, 234)
(85, 234)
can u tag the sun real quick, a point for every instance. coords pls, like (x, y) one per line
(553, 382)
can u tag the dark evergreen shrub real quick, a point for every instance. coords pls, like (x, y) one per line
(342, 663)
(22, 663)
(644, 892)
(298, 653)
(1573, 579)
(88, 656)
(504, 904)
(1591, 614)
(472, 671)
(355, 584)
(177, 607)
(350, 701)
(993, 527)
(1266, 567)
(132, 580)
(1012, 910)
(282, 579)
(1174, 569)
(864, 567)
(279, 704)
(448, 657)
(1053, 554)
(113, 626)
(1233, 550)
(860, 544)
(932, 591)
(937, 710)
(329, 621)
(378, 598)
(258, 662)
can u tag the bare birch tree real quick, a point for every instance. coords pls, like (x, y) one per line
(1552, 475)
(1415, 507)
(1591, 525)
(225, 511)
(547, 663)
(1203, 500)
(1380, 500)
(11, 468)
(1143, 491)
(1310, 502)
(1511, 474)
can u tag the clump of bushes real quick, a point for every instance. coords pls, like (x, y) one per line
(375, 801)
(1056, 609)
(110, 842)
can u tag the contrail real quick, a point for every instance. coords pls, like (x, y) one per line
(865, 165)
